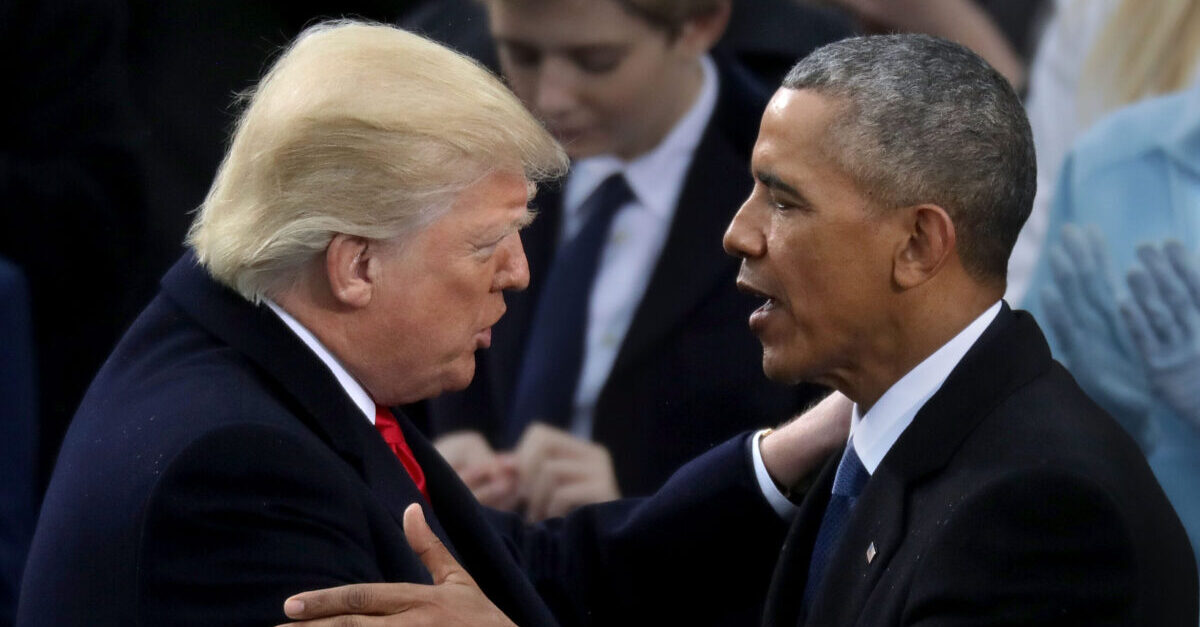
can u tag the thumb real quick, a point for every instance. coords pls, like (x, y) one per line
(434, 555)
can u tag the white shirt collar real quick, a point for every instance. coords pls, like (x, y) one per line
(875, 433)
(361, 399)
(668, 161)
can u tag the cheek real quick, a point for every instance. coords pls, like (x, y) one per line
(803, 271)
(471, 301)
(627, 92)
(607, 106)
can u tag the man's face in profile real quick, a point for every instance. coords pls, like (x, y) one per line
(811, 247)
(441, 291)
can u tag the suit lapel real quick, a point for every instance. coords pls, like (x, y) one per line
(302, 379)
(1010, 353)
(389, 480)
(692, 263)
(856, 575)
(864, 551)
(322, 404)
(481, 550)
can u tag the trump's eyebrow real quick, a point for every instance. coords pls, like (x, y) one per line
(773, 181)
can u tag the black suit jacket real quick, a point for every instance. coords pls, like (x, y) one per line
(216, 467)
(689, 373)
(1012, 499)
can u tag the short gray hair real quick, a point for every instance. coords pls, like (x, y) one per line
(925, 120)
(362, 129)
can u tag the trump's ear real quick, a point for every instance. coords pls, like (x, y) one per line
(349, 266)
(930, 244)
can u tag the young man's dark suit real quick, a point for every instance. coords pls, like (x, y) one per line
(1012, 499)
(687, 375)
(216, 467)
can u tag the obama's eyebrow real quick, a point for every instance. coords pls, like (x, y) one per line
(772, 181)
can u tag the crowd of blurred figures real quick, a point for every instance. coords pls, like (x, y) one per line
(120, 112)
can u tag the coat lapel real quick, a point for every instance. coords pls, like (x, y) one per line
(863, 554)
(1010, 353)
(692, 263)
(303, 381)
(322, 405)
(481, 550)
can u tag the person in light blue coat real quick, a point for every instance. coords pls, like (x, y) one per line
(1131, 183)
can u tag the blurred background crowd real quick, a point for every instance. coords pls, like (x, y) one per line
(119, 112)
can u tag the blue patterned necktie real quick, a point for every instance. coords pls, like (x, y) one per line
(847, 485)
(554, 351)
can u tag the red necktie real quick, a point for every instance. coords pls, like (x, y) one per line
(386, 423)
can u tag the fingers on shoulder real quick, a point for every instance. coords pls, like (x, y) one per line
(364, 599)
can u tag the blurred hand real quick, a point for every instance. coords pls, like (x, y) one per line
(464, 449)
(454, 599)
(1081, 311)
(797, 449)
(1163, 317)
(558, 472)
(491, 477)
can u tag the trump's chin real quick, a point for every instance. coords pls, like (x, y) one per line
(460, 375)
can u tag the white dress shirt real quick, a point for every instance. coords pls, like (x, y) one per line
(874, 433)
(636, 239)
(361, 399)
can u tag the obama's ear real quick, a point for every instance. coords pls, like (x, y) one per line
(930, 244)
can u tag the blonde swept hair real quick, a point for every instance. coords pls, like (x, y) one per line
(362, 129)
(1145, 49)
